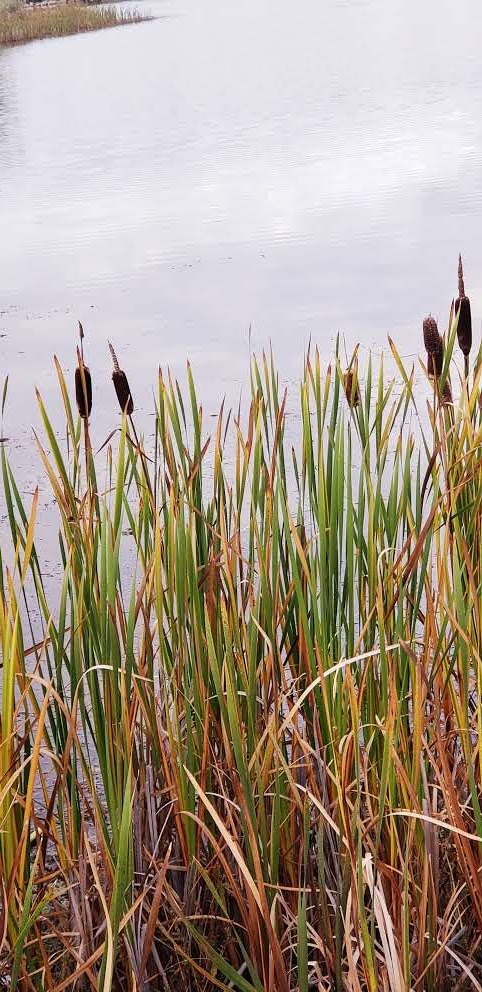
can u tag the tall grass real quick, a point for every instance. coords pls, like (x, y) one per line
(32, 23)
(244, 751)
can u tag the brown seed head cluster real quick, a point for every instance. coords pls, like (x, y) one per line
(83, 388)
(352, 391)
(434, 345)
(431, 336)
(121, 385)
(462, 308)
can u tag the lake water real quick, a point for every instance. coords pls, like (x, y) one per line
(302, 169)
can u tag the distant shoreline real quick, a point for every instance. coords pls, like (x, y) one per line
(19, 25)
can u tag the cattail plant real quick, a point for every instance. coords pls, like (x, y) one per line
(126, 403)
(464, 326)
(121, 385)
(350, 381)
(434, 345)
(83, 381)
(352, 391)
(83, 396)
(165, 704)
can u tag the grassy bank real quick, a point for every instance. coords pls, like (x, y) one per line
(29, 24)
(245, 750)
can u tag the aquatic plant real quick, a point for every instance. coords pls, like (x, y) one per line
(241, 743)
(121, 385)
(30, 23)
(434, 347)
(83, 381)
(464, 326)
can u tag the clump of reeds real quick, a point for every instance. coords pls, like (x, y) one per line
(240, 748)
(464, 326)
(31, 23)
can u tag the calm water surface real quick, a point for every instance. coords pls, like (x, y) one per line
(300, 168)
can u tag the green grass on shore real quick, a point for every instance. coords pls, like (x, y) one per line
(242, 748)
(30, 24)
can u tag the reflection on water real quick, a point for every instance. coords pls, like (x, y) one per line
(304, 169)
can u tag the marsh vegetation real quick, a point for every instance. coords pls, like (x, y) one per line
(20, 23)
(242, 750)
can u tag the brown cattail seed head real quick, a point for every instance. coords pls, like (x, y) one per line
(431, 336)
(121, 385)
(464, 326)
(351, 388)
(83, 389)
(123, 392)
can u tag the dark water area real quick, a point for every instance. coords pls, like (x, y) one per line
(299, 169)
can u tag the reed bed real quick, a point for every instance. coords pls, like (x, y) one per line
(33, 23)
(245, 750)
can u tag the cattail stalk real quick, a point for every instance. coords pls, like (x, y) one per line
(83, 395)
(126, 403)
(464, 325)
(83, 381)
(435, 359)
